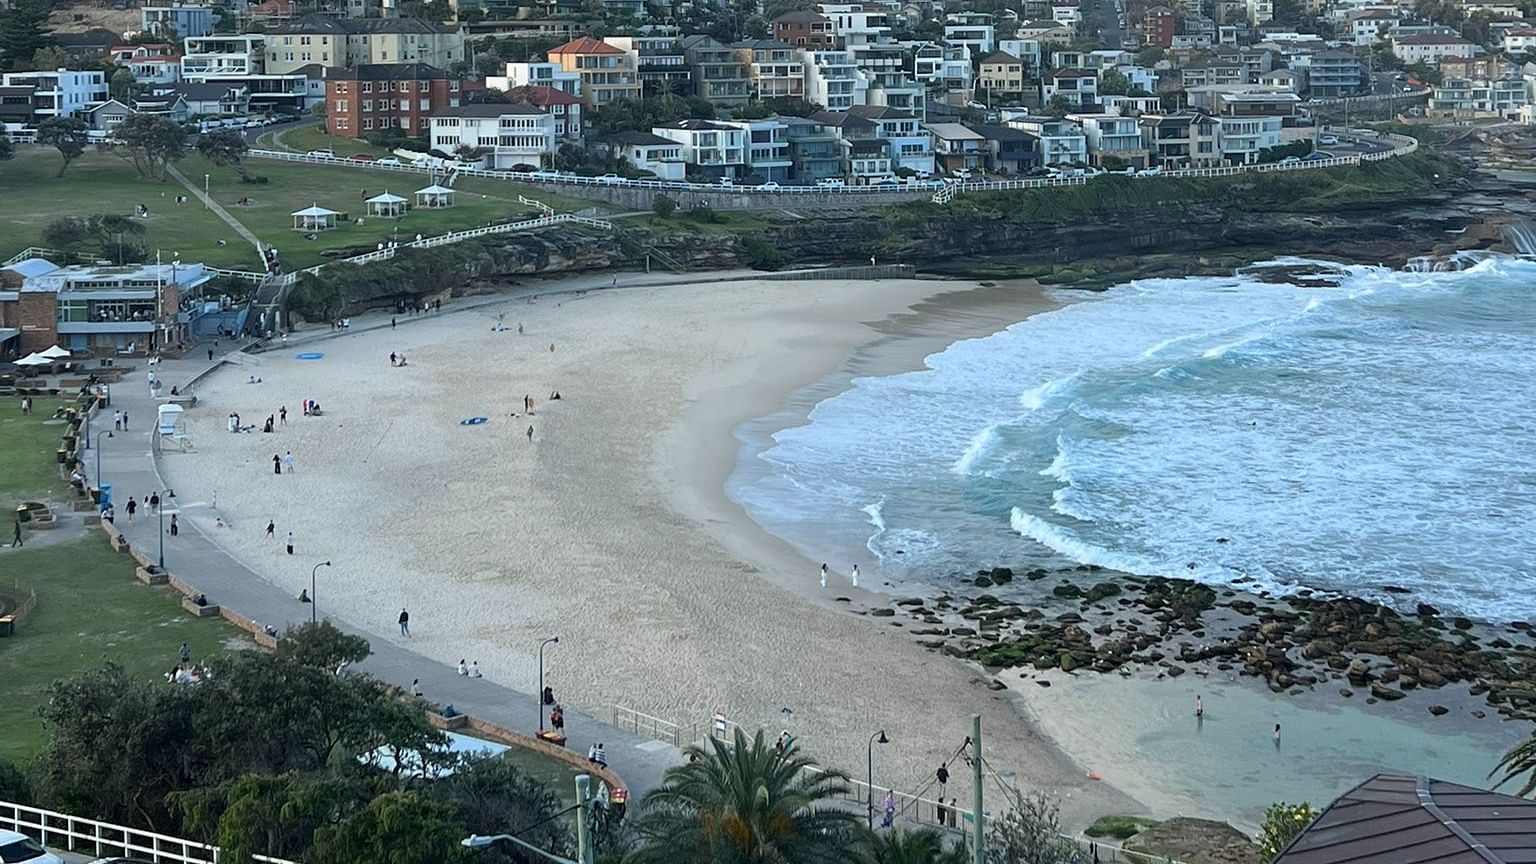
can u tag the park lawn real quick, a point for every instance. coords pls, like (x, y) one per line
(100, 183)
(90, 609)
(303, 139)
(28, 467)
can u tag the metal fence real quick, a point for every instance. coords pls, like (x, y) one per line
(104, 839)
(654, 727)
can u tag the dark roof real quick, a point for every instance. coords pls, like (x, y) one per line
(1431, 39)
(1395, 819)
(1001, 133)
(842, 120)
(489, 109)
(698, 125)
(386, 72)
(803, 16)
(1001, 57)
(763, 45)
(638, 139)
(97, 37)
(205, 92)
(314, 23)
(880, 112)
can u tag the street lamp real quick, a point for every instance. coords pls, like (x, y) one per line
(205, 192)
(166, 496)
(586, 852)
(540, 698)
(869, 777)
(108, 433)
(312, 601)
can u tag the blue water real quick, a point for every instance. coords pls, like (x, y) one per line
(1376, 430)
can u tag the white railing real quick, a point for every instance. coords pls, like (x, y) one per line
(29, 252)
(247, 275)
(103, 839)
(653, 727)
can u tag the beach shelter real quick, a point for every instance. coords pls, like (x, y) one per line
(434, 196)
(314, 218)
(34, 359)
(386, 205)
(54, 352)
(168, 417)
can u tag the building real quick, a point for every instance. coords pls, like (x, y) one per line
(345, 42)
(910, 146)
(971, 30)
(1159, 24)
(199, 99)
(1243, 138)
(61, 93)
(767, 144)
(1503, 97)
(607, 73)
(957, 147)
(1519, 40)
(177, 21)
(1062, 141)
(1260, 12)
(1202, 73)
(103, 310)
(710, 148)
(1430, 48)
(223, 56)
(812, 31)
(833, 80)
(387, 98)
(815, 150)
(1045, 31)
(1283, 79)
(562, 106)
(536, 75)
(943, 67)
(660, 62)
(1112, 141)
(1067, 13)
(775, 70)
(1182, 139)
(1332, 74)
(507, 137)
(1002, 74)
(857, 23)
(1009, 150)
(1129, 106)
(1075, 86)
(643, 151)
(1368, 26)
(718, 71)
(1393, 818)
(150, 63)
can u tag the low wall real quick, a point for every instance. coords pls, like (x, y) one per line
(503, 735)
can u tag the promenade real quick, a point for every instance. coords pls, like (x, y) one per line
(130, 465)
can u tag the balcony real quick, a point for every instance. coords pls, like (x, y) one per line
(106, 326)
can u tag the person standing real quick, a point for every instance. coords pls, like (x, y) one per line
(282, 416)
(855, 575)
(823, 574)
(1199, 708)
(125, 421)
(174, 529)
(1277, 736)
(290, 542)
(530, 434)
(271, 530)
(154, 503)
(288, 460)
(416, 687)
(210, 355)
(405, 622)
(117, 420)
(939, 811)
(890, 810)
(277, 464)
(132, 508)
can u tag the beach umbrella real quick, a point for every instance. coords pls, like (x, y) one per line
(54, 352)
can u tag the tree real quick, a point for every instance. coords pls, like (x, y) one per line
(493, 796)
(226, 148)
(1113, 83)
(1282, 823)
(911, 847)
(50, 57)
(117, 238)
(745, 802)
(121, 86)
(14, 785)
(261, 815)
(1520, 760)
(149, 143)
(395, 828)
(1150, 55)
(1030, 830)
(320, 646)
(663, 205)
(23, 30)
(65, 134)
(487, 65)
(7, 149)
(774, 8)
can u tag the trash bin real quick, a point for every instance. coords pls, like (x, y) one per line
(7, 625)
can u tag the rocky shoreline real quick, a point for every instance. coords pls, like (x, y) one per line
(1087, 619)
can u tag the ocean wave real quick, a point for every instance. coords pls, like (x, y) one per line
(1060, 467)
(1065, 542)
(982, 443)
(1032, 399)
(876, 517)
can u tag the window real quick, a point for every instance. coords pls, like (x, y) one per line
(424, 86)
(367, 86)
(425, 104)
(341, 106)
(453, 86)
(341, 87)
(341, 125)
(367, 104)
(368, 123)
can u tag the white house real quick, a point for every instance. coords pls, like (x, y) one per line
(509, 136)
(970, 30)
(1519, 40)
(767, 148)
(61, 93)
(1062, 142)
(536, 75)
(178, 20)
(911, 146)
(1241, 138)
(710, 148)
(646, 152)
(1111, 136)
(1503, 97)
(223, 56)
(1366, 26)
(1027, 50)
(1076, 86)
(1429, 48)
(834, 80)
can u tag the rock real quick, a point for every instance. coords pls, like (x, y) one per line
(962, 631)
(1195, 841)
(910, 601)
(1001, 575)
(883, 612)
(1438, 710)
(1427, 611)
(1042, 682)
(1067, 661)
(1175, 671)
(995, 684)
(1385, 693)
(1479, 714)
(1346, 692)
(1067, 591)
(1100, 591)
(931, 643)
(1461, 623)
(983, 582)
(1396, 589)
(1036, 574)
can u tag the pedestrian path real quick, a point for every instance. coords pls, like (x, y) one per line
(217, 208)
(130, 465)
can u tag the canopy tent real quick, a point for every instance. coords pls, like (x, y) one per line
(434, 196)
(34, 359)
(315, 218)
(54, 352)
(386, 205)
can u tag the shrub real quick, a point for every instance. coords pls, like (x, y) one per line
(663, 206)
(761, 254)
(703, 213)
(1282, 823)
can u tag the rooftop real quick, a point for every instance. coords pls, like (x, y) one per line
(314, 23)
(386, 72)
(1430, 39)
(490, 109)
(584, 45)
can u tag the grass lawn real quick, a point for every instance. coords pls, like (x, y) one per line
(27, 444)
(100, 183)
(303, 139)
(90, 610)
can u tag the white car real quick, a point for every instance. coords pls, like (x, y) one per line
(770, 186)
(830, 183)
(21, 849)
(610, 179)
(387, 160)
(1329, 140)
(328, 153)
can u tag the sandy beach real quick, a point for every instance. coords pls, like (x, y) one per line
(611, 527)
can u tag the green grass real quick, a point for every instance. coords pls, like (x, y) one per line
(90, 610)
(100, 183)
(27, 444)
(306, 138)
(1118, 827)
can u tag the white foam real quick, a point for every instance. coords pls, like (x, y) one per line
(981, 444)
(1032, 399)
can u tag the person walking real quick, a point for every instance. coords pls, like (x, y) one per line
(271, 530)
(185, 653)
(290, 542)
(132, 508)
(855, 575)
(890, 810)
(288, 460)
(530, 434)
(823, 574)
(210, 355)
(405, 622)
(942, 775)
(174, 528)
(277, 464)
(16, 536)
(154, 503)
(282, 416)
(391, 323)
(940, 811)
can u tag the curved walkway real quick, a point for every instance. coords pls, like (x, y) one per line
(129, 463)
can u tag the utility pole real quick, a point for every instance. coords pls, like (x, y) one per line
(585, 854)
(978, 821)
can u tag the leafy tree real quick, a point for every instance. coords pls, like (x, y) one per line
(23, 30)
(7, 148)
(493, 796)
(1113, 83)
(1282, 823)
(395, 828)
(1150, 55)
(261, 815)
(663, 205)
(149, 144)
(1476, 29)
(487, 65)
(14, 785)
(122, 83)
(65, 134)
(50, 57)
(911, 847)
(117, 238)
(745, 802)
(322, 646)
(1030, 830)
(226, 148)
(774, 8)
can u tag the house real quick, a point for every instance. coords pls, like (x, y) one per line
(1112, 141)
(1062, 142)
(536, 75)
(710, 148)
(223, 56)
(17, 104)
(168, 104)
(1182, 139)
(1045, 31)
(607, 73)
(767, 144)
(956, 146)
(944, 67)
(205, 99)
(518, 136)
(103, 309)
(857, 23)
(1130, 106)
(177, 21)
(150, 63)
(270, 13)
(1332, 74)
(1518, 40)
(719, 74)
(973, 31)
(662, 157)
(1367, 26)
(1392, 818)
(1075, 86)
(344, 42)
(1002, 73)
(659, 61)
(1213, 71)
(565, 109)
(833, 80)
(1159, 23)
(1027, 50)
(1260, 12)
(60, 93)
(815, 150)
(1067, 13)
(1009, 150)
(1502, 97)
(1430, 48)
(387, 98)
(812, 31)
(1242, 138)
(868, 153)
(105, 116)
(911, 147)
(1282, 79)
(775, 70)
(885, 68)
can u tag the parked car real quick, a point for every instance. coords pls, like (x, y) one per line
(359, 157)
(770, 186)
(1151, 172)
(830, 183)
(1290, 160)
(387, 160)
(1328, 140)
(20, 849)
(610, 179)
(963, 174)
(331, 154)
(726, 181)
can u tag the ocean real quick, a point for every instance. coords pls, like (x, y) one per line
(1369, 429)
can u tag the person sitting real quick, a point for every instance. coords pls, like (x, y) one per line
(463, 669)
(270, 631)
(474, 669)
(449, 712)
(555, 396)
(557, 719)
(199, 599)
(303, 595)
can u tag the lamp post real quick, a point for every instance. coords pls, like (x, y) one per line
(540, 698)
(108, 433)
(869, 777)
(166, 496)
(205, 192)
(312, 601)
(586, 852)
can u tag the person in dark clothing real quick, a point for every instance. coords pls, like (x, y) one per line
(174, 528)
(405, 623)
(277, 464)
(16, 538)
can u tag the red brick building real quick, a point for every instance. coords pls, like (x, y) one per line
(1159, 25)
(387, 97)
(804, 29)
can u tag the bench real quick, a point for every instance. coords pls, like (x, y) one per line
(207, 610)
(152, 577)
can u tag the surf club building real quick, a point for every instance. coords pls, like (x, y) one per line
(130, 309)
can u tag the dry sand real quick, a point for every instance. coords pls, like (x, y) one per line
(611, 528)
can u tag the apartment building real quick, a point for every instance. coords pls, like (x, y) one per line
(833, 80)
(223, 56)
(1002, 74)
(1159, 24)
(507, 137)
(565, 109)
(775, 70)
(392, 97)
(1430, 49)
(816, 151)
(341, 42)
(659, 60)
(1203, 73)
(710, 148)
(867, 153)
(1503, 97)
(719, 73)
(1332, 74)
(1367, 26)
(812, 31)
(943, 67)
(973, 31)
(1241, 139)
(1182, 139)
(857, 23)
(909, 144)
(1076, 86)
(607, 73)
(536, 75)
(1061, 141)
(149, 63)
(1112, 140)
(177, 20)
(767, 143)
(60, 93)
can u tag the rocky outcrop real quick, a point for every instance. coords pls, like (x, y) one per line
(1195, 841)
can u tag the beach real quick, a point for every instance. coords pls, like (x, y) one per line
(611, 527)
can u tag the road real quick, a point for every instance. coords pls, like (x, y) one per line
(1101, 21)
(1350, 145)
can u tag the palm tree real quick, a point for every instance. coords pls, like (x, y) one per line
(1521, 759)
(912, 847)
(746, 803)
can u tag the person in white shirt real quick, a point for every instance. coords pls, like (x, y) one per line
(463, 669)
(474, 669)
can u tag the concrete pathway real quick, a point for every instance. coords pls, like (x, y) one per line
(129, 464)
(217, 208)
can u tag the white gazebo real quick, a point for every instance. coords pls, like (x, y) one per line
(54, 352)
(434, 196)
(314, 218)
(386, 205)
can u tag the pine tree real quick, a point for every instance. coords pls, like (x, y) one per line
(23, 30)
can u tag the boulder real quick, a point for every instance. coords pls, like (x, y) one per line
(1195, 841)
(1385, 693)
(1438, 710)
